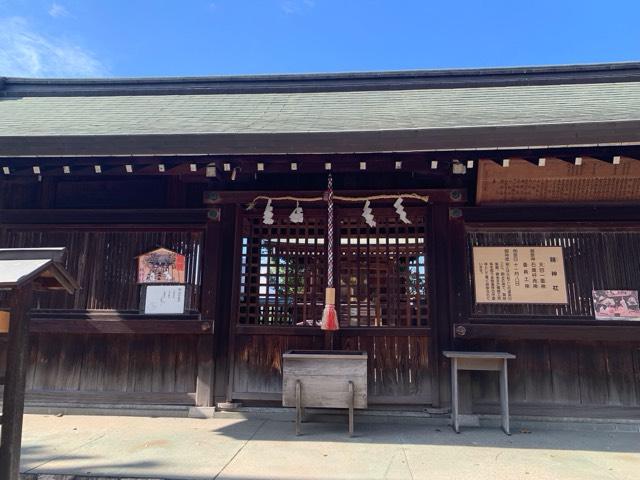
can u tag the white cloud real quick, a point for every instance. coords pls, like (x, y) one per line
(27, 53)
(57, 10)
(291, 7)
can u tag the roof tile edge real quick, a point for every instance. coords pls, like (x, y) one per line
(318, 82)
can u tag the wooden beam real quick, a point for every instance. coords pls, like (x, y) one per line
(505, 214)
(454, 196)
(509, 331)
(87, 322)
(587, 135)
(82, 399)
(344, 331)
(138, 217)
(14, 390)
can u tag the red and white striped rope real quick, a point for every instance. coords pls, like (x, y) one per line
(330, 232)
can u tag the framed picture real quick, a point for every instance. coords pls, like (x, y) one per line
(161, 266)
(616, 305)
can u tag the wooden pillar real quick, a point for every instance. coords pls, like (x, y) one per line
(458, 307)
(15, 378)
(232, 232)
(437, 241)
(206, 343)
(227, 296)
(204, 375)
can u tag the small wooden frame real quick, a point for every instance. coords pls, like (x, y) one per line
(161, 266)
(488, 361)
(324, 379)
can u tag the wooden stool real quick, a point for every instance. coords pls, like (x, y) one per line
(488, 361)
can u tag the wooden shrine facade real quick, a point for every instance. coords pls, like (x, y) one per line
(405, 289)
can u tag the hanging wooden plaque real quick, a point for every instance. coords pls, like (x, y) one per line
(558, 181)
(161, 266)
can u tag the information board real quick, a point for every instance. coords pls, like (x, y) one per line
(519, 274)
(164, 299)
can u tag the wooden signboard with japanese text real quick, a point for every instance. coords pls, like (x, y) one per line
(558, 181)
(517, 274)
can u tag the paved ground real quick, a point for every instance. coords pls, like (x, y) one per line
(235, 449)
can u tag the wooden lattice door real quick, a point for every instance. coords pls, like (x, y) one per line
(382, 271)
(382, 299)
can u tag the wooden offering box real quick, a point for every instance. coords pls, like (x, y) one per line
(324, 379)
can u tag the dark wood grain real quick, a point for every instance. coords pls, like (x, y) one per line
(506, 330)
(15, 383)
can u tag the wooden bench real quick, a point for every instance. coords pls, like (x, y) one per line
(488, 361)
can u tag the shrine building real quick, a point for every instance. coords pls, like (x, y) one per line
(489, 210)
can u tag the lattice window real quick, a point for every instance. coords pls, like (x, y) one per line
(382, 270)
(282, 271)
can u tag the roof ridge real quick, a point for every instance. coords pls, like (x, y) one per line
(311, 82)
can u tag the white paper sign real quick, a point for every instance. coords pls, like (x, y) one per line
(164, 299)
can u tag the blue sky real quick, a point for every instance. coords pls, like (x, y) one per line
(93, 38)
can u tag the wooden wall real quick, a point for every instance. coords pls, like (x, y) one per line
(79, 365)
(399, 365)
(124, 369)
(567, 362)
(581, 376)
(103, 261)
(257, 360)
(564, 378)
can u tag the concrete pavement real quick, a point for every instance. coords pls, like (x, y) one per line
(259, 449)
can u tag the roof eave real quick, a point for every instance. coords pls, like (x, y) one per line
(468, 138)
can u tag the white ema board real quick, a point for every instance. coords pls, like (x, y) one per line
(518, 274)
(164, 299)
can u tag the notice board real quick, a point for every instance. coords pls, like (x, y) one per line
(519, 274)
(558, 181)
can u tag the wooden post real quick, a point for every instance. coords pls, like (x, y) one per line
(299, 407)
(504, 397)
(209, 299)
(352, 401)
(14, 390)
(205, 372)
(329, 340)
(454, 395)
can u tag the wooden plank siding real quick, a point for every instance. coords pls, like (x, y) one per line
(103, 368)
(551, 374)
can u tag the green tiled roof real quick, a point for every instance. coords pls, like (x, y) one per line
(320, 111)
(243, 121)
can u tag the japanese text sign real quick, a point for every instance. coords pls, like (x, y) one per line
(517, 274)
